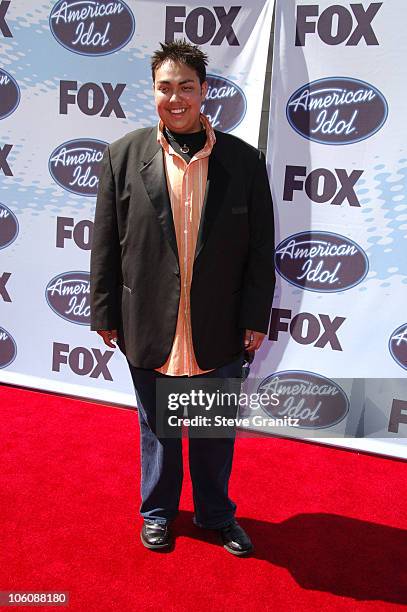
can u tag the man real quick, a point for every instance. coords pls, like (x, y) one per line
(182, 275)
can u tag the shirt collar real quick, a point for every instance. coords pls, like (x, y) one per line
(210, 138)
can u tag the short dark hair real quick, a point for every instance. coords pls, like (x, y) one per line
(183, 52)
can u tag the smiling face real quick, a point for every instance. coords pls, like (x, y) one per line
(178, 97)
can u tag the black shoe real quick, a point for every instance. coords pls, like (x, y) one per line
(155, 536)
(235, 539)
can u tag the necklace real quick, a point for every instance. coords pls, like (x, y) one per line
(184, 148)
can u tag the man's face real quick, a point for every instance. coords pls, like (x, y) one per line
(178, 96)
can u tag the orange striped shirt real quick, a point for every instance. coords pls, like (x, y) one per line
(186, 186)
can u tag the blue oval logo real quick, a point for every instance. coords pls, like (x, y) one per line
(321, 261)
(8, 226)
(315, 400)
(9, 94)
(92, 28)
(337, 111)
(68, 294)
(225, 103)
(75, 165)
(398, 345)
(8, 348)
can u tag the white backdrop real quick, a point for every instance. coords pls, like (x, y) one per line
(73, 79)
(338, 165)
(75, 76)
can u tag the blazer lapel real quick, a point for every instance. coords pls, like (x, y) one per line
(216, 188)
(154, 178)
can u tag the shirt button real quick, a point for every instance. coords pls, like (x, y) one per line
(185, 231)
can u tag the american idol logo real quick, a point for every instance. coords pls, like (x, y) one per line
(313, 399)
(225, 103)
(321, 261)
(92, 28)
(8, 226)
(9, 94)
(398, 345)
(8, 348)
(337, 111)
(68, 296)
(75, 165)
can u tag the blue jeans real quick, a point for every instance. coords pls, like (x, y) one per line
(210, 459)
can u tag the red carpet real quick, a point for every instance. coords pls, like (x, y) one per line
(329, 525)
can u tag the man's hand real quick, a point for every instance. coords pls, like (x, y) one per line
(253, 340)
(108, 336)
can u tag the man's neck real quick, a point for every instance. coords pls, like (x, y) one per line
(180, 134)
(186, 144)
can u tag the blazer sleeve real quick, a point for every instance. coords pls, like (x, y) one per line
(105, 260)
(259, 279)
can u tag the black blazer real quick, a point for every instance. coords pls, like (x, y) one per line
(135, 272)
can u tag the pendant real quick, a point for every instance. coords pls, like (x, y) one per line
(184, 149)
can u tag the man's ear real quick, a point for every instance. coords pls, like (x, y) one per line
(204, 90)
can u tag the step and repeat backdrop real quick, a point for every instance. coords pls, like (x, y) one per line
(75, 75)
(338, 165)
